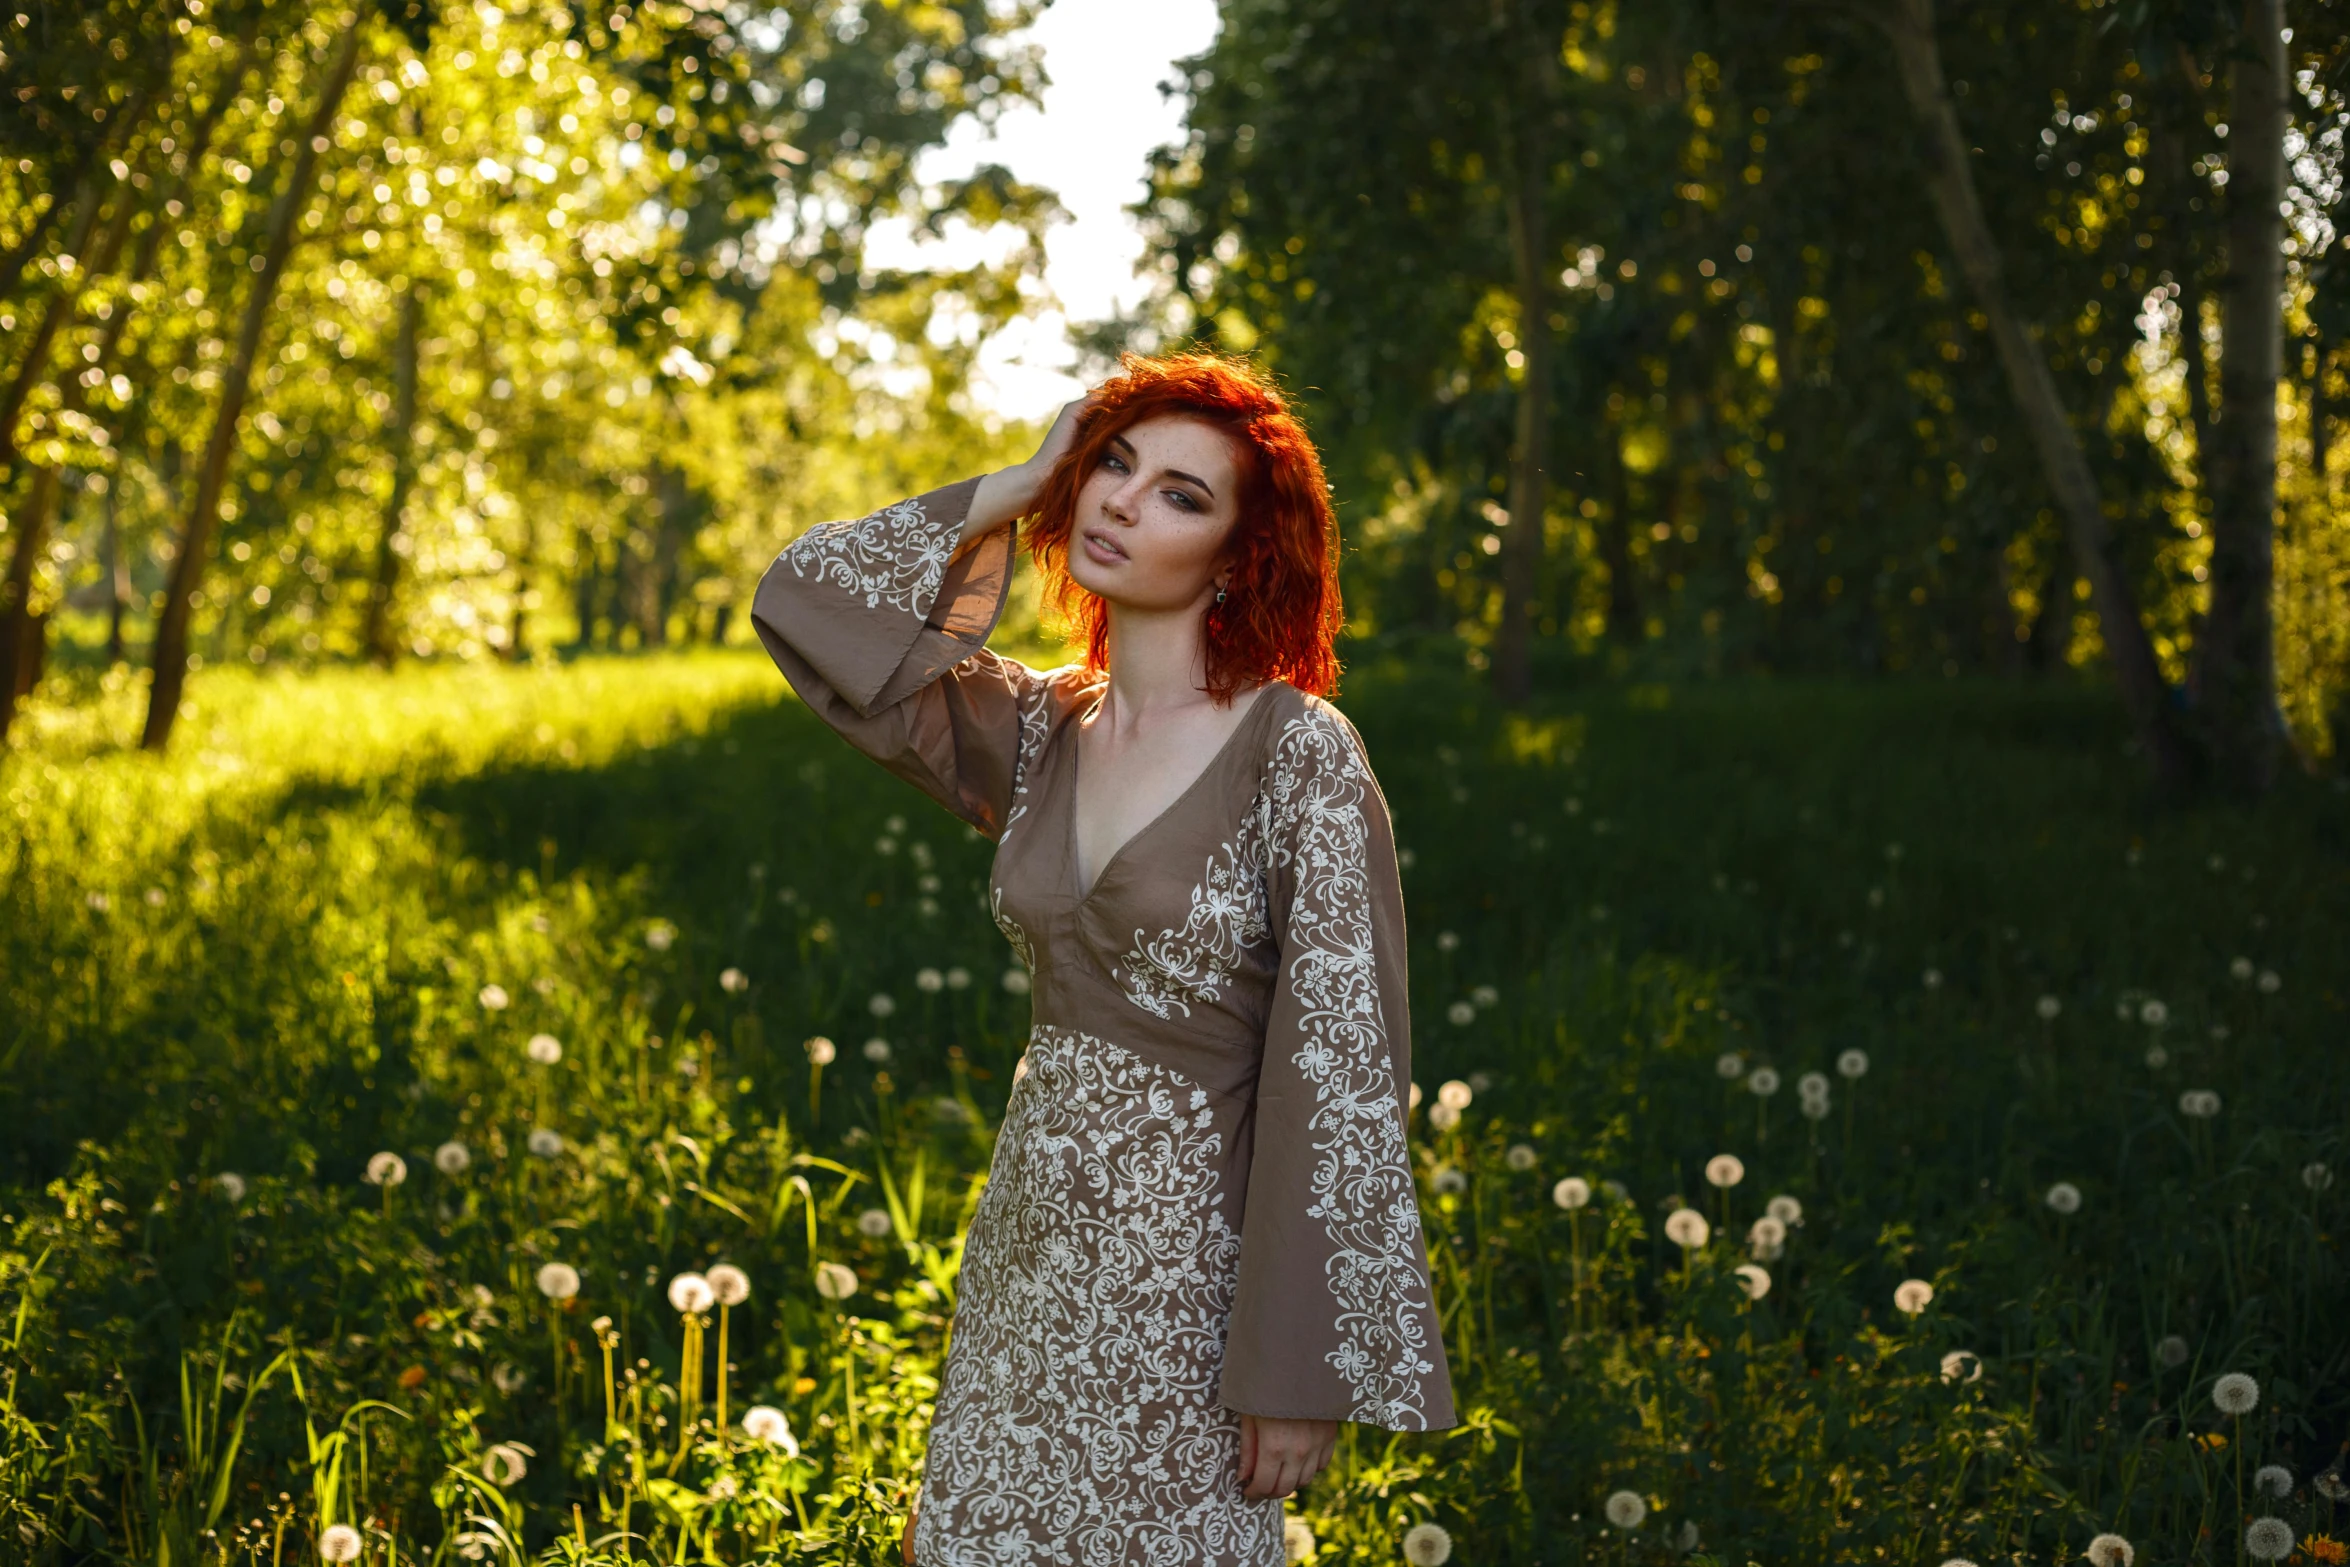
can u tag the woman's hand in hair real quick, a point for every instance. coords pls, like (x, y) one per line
(1013, 492)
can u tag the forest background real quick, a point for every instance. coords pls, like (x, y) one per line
(1840, 501)
(1818, 338)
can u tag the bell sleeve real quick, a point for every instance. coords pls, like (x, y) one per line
(1334, 1316)
(881, 626)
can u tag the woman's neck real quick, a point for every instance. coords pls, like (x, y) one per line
(1158, 662)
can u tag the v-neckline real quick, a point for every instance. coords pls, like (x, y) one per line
(1084, 895)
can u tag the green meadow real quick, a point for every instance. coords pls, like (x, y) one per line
(373, 1066)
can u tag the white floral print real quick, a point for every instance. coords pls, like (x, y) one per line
(1078, 1421)
(1166, 973)
(893, 557)
(1036, 704)
(1362, 1187)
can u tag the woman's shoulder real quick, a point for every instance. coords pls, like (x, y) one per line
(1306, 732)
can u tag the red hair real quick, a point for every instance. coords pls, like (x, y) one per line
(1281, 611)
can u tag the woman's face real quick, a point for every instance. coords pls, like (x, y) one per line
(1153, 515)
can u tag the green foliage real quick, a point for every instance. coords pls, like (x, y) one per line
(577, 327)
(1780, 434)
(370, 893)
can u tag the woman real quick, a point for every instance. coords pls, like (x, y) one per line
(1199, 1248)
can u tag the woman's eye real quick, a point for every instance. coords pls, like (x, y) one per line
(1183, 500)
(1112, 463)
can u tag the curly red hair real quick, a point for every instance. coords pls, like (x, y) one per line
(1281, 611)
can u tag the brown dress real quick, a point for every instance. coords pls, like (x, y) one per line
(1201, 1202)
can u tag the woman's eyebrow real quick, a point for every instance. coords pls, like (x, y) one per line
(1177, 473)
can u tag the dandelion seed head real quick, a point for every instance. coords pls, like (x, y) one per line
(2329, 1484)
(1616, 1191)
(1427, 1545)
(730, 1284)
(1754, 1280)
(1447, 941)
(881, 1003)
(1762, 1081)
(558, 1281)
(1571, 1192)
(545, 1049)
(386, 1169)
(1686, 1228)
(100, 903)
(231, 1185)
(1520, 1157)
(1813, 1085)
(1729, 1065)
(1853, 1064)
(765, 1424)
(929, 981)
(155, 897)
(2269, 982)
(2273, 1480)
(2172, 1351)
(2111, 1550)
(1456, 1094)
(876, 1050)
(339, 1543)
(1912, 1296)
(2317, 1175)
(1297, 1540)
(2241, 968)
(1460, 1014)
(2156, 1058)
(1448, 1181)
(2269, 1540)
(835, 1282)
(1725, 1170)
(1415, 1096)
(2199, 1103)
(1015, 981)
(1817, 1108)
(505, 1464)
(659, 934)
(2235, 1394)
(545, 1142)
(820, 1051)
(873, 1223)
(2153, 1013)
(691, 1293)
(733, 981)
(1443, 1117)
(2064, 1197)
(1931, 979)
(1625, 1509)
(2048, 1007)
(1787, 1210)
(1962, 1365)
(1484, 996)
(1766, 1234)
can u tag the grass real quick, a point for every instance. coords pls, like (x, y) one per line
(327, 926)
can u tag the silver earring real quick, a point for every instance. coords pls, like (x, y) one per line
(1219, 595)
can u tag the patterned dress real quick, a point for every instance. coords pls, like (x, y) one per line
(1201, 1203)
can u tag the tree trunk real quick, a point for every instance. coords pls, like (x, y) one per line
(1615, 546)
(22, 631)
(400, 440)
(118, 574)
(2235, 678)
(1910, 26)
(1528, 192)
(187, 569)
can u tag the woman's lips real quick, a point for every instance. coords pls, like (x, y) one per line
(1101, 549)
